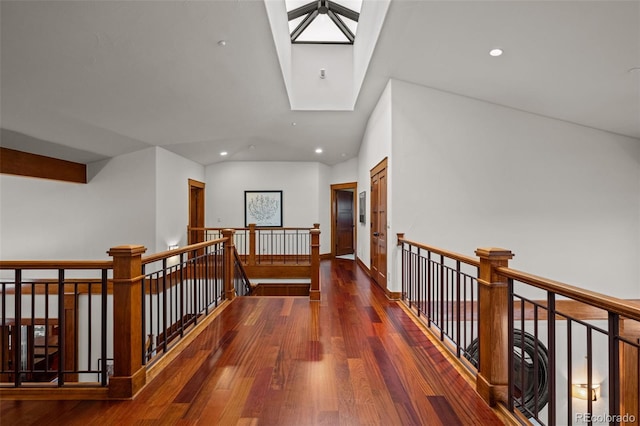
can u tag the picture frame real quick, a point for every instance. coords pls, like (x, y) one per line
(264, 208)
(362, 203)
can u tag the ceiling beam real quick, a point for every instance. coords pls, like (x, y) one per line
(302, 10)
(344, 11)
(303, 25)
(342, 26)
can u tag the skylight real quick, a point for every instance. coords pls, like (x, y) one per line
(323, 21)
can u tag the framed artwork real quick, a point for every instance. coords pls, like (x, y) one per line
(264, 208)
(362, 201)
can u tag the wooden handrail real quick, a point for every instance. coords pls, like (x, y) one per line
(626, 308)
(258, 228)
(450, 254)
(56, 264)
(170, 253)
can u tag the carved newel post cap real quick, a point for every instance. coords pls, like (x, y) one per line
(127, 250)
(494, 253)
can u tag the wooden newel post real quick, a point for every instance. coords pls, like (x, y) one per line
(400, 237)
(229, 264)
(493, 327)
(129, 376)
(252, 244)
(314, 291)
(629, 373)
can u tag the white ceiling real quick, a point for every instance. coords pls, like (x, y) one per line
(98, 79)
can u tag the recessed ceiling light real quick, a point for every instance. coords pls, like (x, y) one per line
(495, 52)
(223, 153)
(318, 150)
(293, 123)
(222, 43)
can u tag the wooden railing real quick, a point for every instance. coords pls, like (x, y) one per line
(274, 252)
(548, 352)
(95, 337)
(442, 288)
(179, 288)
(53, 331)
(241, 282)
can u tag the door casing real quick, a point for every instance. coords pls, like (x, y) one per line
(334, 214)
(196, 211)
(378, 235)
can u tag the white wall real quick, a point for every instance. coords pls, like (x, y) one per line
(45, 219)
(324, 207)
(376, 145)
(172, 197)
(564, 198)
(121, 200)
(302, 183)
(308, 90)
(137, 198)
(345, 172)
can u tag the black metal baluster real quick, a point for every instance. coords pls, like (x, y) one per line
(458, 324)
(510, 332)
(551, 324)
(17, 325)
(61, 330)
(569, 373)
(104, 327)
(614, 367)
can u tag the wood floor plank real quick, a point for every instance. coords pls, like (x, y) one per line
(444, 410)
(354, 358)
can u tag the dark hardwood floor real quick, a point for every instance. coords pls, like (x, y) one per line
(355, 358)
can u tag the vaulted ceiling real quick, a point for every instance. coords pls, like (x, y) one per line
(85, 80)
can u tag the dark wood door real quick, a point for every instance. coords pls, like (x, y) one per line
(379, 224)
(344, 223)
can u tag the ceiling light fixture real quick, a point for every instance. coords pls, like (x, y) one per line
(223, 153)
(318, 150)
(496, 52)
(293, 123)
(222, 43)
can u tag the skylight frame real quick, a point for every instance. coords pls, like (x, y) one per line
(337, 14)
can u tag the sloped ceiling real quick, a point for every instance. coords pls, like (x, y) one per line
(103, 78)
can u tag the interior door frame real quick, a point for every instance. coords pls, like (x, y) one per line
(378, 168)
(334, 215)
(196, 205)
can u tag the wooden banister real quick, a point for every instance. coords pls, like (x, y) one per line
(493, 328)
(187, 249)
(129, 375)
(229, 265)
(56, 264)
(446, 253)
(252, 244)
(314, 290)
(626, 308)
